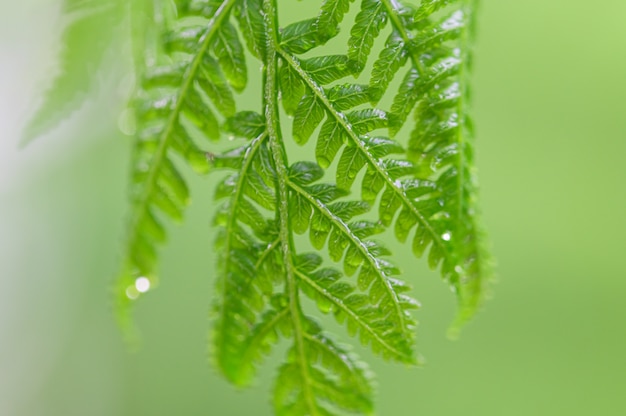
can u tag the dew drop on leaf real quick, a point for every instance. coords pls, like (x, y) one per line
(142, 284)
(324, 305)
(132, 293)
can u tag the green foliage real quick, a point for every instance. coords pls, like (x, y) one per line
(190, 58)
(90, 27)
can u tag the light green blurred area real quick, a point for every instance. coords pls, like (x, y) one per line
(550, 110)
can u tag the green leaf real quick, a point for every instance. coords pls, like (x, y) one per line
(405, 100)
(229, 52)
(264, 334)
(449, 28)
(330, 140)
(245, 125)
(391, 59)
(308, 116)
(367, 120)
(300, 37)
(201, 115)
(347, 96)
(212, 82)
(321, 379)
(429, 7)
(326, 69)
(190, 66)
(250, 17)
(86, 39)
(157, 181)
(305, 173)
(350, 164)
(292, 89)
(369, 22)
(330, 16)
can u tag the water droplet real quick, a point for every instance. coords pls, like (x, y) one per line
(324, 305)
(446, 236)
(132, 293)
(142, 284)
(162, 103)
(323, 161)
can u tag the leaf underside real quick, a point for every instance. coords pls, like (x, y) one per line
(407, 168)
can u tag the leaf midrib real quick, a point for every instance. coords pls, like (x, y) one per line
(277, 148)
(397, 24)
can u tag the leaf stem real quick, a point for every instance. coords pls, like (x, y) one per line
(392, 12)
(270, 75)
(271, 247)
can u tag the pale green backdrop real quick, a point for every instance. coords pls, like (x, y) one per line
(550, 107)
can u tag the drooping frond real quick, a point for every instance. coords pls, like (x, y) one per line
(190, 78)
(379, 313)
(434, 188)
(268, 201)
(369, 312)
(91, 26)
(335, 381)
(319, 377)
(361, 179)
(436, 40)
(249, 259)
(393, 177)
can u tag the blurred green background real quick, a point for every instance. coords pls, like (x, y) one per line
(550, 109)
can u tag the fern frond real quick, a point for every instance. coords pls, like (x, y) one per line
(368, 24)
(273, 324)
(436, 37)
(91, 26)
(249, 260)
(369, 314)
(171, 110)
(348, 241)
(251, 22)
(334, 383)
(331, 15)
(361, 181)
(381, 174)
(376, 309)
